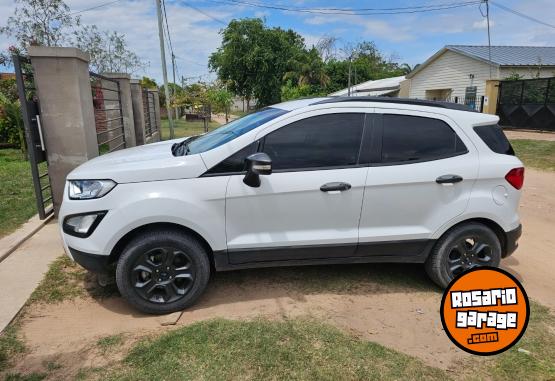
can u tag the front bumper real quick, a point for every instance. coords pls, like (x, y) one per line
(92, 262)
(511, 242)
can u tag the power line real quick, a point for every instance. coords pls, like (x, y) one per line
(167, 26)
(351, 11)
(517, 13)
(204, 13)
(95, 7)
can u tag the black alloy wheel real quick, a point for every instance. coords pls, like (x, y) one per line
(468, 253)
(163, 271)
(163, 274)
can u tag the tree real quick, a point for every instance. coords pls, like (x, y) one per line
(291, 91)
(307, 68)
(148, 83)
(253, 59)
(367, 63)
(220, 100)
(40, 22)
(108, 51)
(326, 47)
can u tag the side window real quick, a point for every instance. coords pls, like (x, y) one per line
(331, 140)
(412, 139)
(235, 162)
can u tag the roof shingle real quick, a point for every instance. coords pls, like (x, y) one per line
(510, 55)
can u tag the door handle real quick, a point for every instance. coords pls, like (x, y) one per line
(449, 179)
(334, 187)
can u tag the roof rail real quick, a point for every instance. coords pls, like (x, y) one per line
(408, 101)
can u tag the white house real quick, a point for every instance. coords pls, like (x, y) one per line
(461, 71)
(387, 87)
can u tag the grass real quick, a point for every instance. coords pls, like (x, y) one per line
(17, 194)
(10, 345)
(539, 340)
(25, 377)
(262, 349)
(65, 280)
(108, 342)
(184, 128)
(538, 154)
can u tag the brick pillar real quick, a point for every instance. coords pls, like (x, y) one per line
(126, 106)
(67, 114)
(138, 111)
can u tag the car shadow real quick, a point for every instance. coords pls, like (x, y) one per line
(294, 282)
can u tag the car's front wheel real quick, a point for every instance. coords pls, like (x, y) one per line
(162, 271)
(460, 249)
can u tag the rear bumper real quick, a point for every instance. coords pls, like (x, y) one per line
(92, 262)
(511, 243)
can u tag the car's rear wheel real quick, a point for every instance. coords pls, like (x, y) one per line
(162, 271)
(460, 249)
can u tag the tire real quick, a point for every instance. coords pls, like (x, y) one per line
(173, 266)
(460, 249)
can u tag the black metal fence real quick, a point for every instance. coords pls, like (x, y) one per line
(151, 122)
(527, 104)
(473, 103)
(30, 111)
(108, 114)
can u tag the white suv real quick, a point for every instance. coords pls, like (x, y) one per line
(327, 180)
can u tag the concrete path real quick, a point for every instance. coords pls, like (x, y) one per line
(22, 271)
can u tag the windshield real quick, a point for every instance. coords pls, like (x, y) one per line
(232, 130)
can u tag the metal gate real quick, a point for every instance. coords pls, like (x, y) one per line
(527, 104)
(108, 114)
(30, 111)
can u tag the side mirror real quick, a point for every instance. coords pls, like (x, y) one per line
(257, 164)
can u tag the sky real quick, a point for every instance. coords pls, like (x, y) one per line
(410, 38)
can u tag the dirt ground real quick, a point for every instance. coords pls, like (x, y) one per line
(394, 305)
(516, 134)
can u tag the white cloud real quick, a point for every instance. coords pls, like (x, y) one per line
(482, 24)
(194, 35)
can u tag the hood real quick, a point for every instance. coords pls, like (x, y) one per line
(151, 162)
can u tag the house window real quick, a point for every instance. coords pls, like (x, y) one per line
(470, 96)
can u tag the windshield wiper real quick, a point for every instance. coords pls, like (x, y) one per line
(182, 148)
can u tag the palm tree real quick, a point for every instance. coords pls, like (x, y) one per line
(308, 69)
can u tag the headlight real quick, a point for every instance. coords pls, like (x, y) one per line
(89, 189)
(83, 225)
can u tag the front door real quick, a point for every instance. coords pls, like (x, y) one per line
(309, 207)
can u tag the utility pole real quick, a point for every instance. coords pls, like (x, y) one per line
(164, 69)
(174, 84)
(349, 80)
(489, 37)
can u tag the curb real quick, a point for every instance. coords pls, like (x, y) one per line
(10, 243)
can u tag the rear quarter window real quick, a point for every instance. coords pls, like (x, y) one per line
(495, 139)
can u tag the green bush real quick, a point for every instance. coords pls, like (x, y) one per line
(11, 123)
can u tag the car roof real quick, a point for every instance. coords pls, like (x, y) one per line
(462, 111)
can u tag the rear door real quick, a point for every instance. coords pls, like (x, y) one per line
(421, 176)
(292, 215)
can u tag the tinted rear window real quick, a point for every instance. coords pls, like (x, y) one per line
(495, 139)
(409, 139)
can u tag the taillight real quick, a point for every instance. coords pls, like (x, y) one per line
(515, 177)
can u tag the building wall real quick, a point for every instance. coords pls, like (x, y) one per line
(451, 71)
